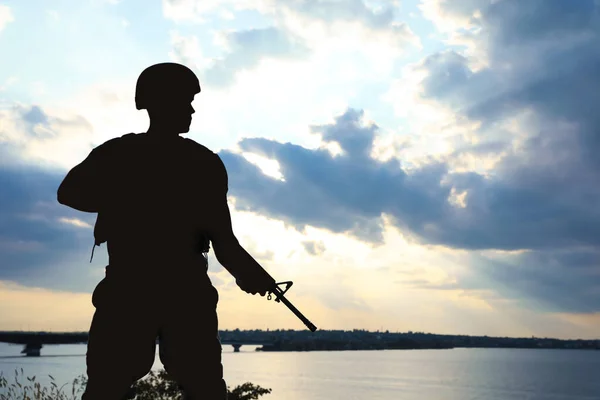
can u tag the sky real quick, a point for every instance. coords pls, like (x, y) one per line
(419, 165)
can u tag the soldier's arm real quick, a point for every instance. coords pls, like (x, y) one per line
(84, 186)
(228, 251)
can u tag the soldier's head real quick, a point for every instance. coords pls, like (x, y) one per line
(166, 91)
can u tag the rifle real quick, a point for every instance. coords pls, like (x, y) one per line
(280, 298)
(204, 246)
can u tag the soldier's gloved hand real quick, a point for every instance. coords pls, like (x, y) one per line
(254, 283)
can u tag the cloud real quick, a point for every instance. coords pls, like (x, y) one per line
(324, 10)
(314, 248)
(516, 208)
(6, 16)
(186, 50)
(29, 134)
(348, 27)
(349, 193)
(345, 194)
(244, 51)
(75, 222)
(314, 21)
(532, 102)
(351, 11)
(294, 36)
(288, 60)
(452, 15)
(531, 109)
(194, 10)
(562, 281)
(549, 168)
(41, 241)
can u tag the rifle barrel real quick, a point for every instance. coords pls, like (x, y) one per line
(279, 294)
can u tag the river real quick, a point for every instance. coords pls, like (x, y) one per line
(458, 374)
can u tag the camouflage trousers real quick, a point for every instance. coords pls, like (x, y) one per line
(129, 319)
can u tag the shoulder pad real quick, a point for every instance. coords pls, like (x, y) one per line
(118, 139)
(198, 147)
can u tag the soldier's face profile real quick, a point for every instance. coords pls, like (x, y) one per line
(175, 113)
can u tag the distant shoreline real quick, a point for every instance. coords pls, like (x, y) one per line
(258, 349)
(334, 340)
(334, 331)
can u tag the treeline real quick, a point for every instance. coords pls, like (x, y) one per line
(368, 340)
(357, 339)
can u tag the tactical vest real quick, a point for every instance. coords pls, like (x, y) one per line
(101, 236)
(102, 224)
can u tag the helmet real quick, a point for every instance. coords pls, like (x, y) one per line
(164, 80)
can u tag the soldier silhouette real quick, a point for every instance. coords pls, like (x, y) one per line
(161, 200)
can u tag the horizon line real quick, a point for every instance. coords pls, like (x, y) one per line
(343, 330)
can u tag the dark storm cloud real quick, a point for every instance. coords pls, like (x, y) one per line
(565, 281)
(546, 193)
(34, 243)
(512, 21)
(347, 193)
(543, 58)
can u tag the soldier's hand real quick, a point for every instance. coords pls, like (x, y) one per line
(256, 283)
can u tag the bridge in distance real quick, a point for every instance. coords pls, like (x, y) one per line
(34, 341)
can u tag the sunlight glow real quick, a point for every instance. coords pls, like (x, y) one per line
(267, 166)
